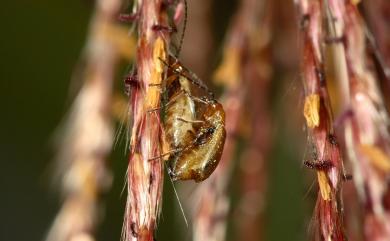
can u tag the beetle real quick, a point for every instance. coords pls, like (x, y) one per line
(196, 134)
(199, 160)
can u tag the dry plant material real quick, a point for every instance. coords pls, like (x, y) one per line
(88, 133)
(327, 161)
(145, 174)
(366, 131)
(311, 110)
(242, 56)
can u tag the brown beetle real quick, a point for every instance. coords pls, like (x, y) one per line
(196, 134)
(198, 160)
(180, 107)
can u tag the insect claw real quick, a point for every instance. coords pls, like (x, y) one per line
(171, 174)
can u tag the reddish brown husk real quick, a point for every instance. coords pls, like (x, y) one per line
(366, 131)
(145, 176)
(328, 214)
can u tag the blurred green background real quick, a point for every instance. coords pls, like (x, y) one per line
(40, 44)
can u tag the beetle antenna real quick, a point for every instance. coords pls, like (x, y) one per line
(184, 28)
(178, 199)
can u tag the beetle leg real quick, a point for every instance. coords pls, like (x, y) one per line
(166, 154)
(190, 121)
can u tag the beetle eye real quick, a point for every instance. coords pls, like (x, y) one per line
(210, 130)
(179, 69)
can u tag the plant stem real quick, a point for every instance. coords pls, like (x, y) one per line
(145, 176)
(366, 131)
(319, 120)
